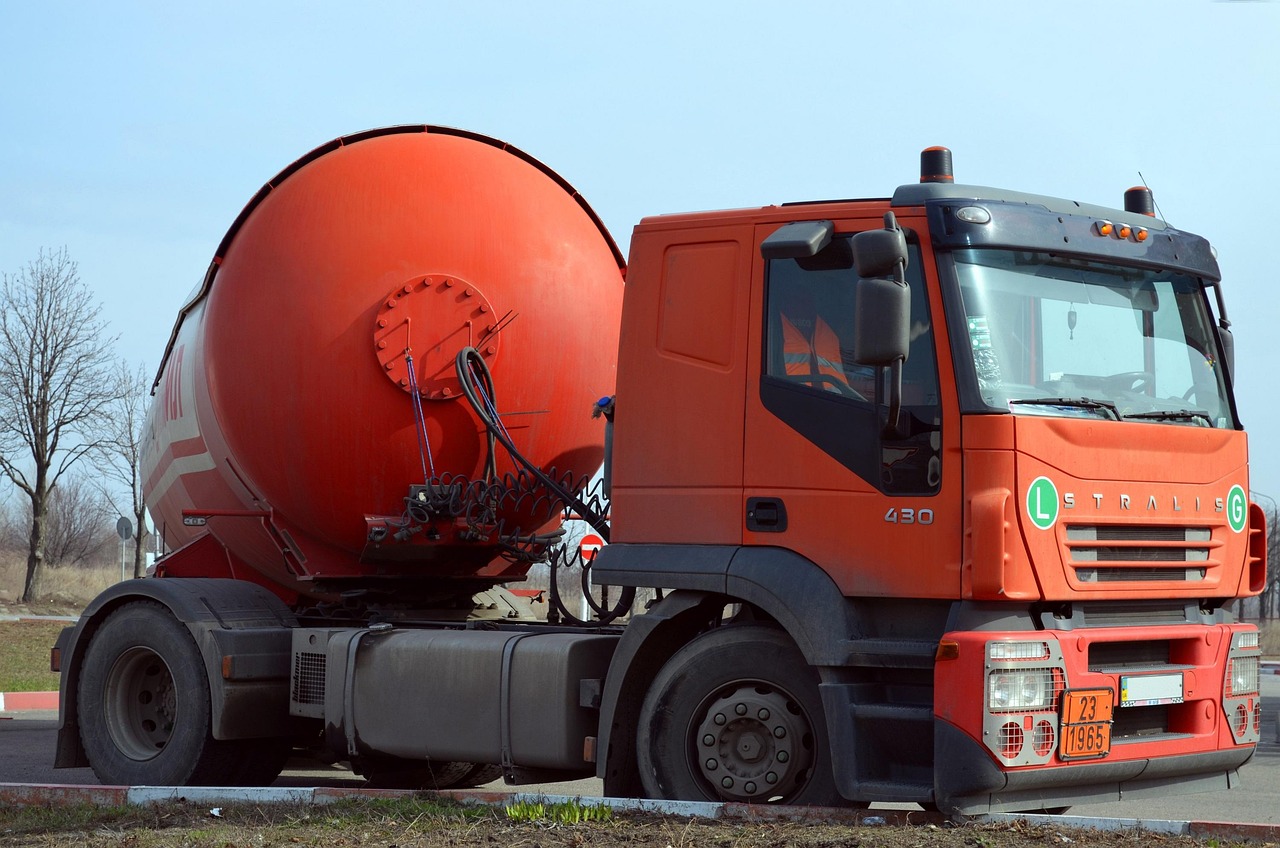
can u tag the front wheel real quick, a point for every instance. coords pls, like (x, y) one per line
(735, 716)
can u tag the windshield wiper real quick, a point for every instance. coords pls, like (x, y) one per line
(1082, 402)
(1174, 415)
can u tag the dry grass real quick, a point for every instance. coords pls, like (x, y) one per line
(72, 586)
(1270, 639)
(426, 823)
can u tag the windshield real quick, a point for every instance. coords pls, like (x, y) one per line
(1054, 335)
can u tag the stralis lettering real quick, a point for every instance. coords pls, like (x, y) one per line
(1153, 504)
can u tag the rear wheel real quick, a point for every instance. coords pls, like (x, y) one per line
(394, 773)
(735, 716)
(144, 705)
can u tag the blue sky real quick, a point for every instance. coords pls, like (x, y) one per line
(133, 133)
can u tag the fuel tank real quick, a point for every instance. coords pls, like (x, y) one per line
(309, 393)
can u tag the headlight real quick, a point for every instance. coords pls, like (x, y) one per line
(1242, 676)
(1020, 691)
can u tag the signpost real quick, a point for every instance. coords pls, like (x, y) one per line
(588, 547)
(124, 529)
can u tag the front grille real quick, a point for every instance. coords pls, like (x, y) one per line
(1139, 575)
(1104, 656)
(1138, 553)
(1135, 614)
(1137, 722)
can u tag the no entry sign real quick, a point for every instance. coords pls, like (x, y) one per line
(589, 545)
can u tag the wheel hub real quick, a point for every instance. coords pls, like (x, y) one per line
(752, 743)
(141, 703)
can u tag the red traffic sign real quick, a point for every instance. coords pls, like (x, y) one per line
(589, 545)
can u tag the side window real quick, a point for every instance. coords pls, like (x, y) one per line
(811, 311)
(812, 382)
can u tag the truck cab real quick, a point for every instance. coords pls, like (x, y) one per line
(1040, 503)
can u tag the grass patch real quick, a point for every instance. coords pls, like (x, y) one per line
(566, 812)
(24, 655)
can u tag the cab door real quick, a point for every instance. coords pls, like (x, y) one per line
(879, 513)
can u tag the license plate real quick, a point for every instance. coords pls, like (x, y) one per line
(1146, 690)
(1086, 724)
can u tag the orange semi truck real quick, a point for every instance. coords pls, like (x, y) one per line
(944, 496)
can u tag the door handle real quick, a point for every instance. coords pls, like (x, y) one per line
(766, 515)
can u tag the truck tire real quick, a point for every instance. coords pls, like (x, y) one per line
(145, 708)
(395, 773)
(261, 761)
(479, 775)
(735, 716)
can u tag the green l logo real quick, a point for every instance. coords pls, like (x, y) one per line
(1042, 503)
(1237, 508)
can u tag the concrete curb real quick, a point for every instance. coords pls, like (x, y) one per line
(213, 796)
(11, 702)
(1197, 829)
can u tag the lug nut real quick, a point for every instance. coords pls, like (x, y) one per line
(720, 719)
(771, 778)
(740, 709)
(712, 765)
(727, 783)
(708, 740)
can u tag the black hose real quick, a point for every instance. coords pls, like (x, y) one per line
(482, 401)
(469, 356)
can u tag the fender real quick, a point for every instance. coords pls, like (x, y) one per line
(780, 583)
(786, 586)
(226, 617)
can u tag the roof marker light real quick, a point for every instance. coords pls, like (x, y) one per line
(1103, 228)
(973, 215)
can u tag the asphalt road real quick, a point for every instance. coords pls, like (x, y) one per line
(27, 744)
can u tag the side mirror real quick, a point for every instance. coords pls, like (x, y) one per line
(882, 303)
(882, 331)
(880, 253)
(797, 240)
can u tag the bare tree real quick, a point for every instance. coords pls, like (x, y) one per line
(122, 452)
(79, 524)
(13, 529)
(55, 384)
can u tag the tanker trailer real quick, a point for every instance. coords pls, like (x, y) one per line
(374, 406)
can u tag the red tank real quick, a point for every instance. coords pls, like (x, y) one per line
(283, 441)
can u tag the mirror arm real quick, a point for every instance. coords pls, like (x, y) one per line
(892, 424)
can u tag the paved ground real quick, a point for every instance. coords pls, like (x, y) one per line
(27, 742)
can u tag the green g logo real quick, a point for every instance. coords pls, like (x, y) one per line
(1042, 503)
(1237, 508)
